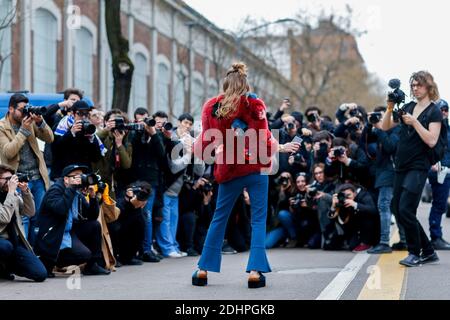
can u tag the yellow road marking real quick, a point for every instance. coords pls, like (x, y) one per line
(386, 277)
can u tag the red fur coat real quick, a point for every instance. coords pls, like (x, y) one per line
(243, 159)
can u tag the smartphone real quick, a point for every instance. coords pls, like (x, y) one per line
(297, 139)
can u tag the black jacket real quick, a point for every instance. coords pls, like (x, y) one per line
(147, 157)
(53, 216)
(68, 150)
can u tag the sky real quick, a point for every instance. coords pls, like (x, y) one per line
(402, 36)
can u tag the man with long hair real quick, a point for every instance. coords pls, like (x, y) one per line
(420, 127)
(235, 128)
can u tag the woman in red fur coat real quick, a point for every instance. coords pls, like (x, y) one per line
(235, 136)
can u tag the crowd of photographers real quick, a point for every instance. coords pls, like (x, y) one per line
(107, 190)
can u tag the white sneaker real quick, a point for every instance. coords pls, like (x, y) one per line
(174, 254)
(183, 254)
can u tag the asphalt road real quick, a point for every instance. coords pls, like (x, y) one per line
(298, 274)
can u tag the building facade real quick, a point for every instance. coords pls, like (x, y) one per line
(179, 56)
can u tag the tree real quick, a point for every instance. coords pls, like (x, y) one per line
(324, 63)
(122, 65)
(6, 21)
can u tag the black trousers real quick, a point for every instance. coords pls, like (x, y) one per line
(408, 188)
(186, 230)
(127, 234)
(86, 245)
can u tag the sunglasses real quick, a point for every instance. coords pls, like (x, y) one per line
(444, 109)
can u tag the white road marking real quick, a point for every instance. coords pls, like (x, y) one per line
(339, 284)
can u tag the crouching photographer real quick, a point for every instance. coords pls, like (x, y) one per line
(282, 222)
(127, 233)
(353, 220)
(69, 233)
(16, 255)
(347, 163)
(304, 208)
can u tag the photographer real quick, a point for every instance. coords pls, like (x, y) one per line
(384, 146)
(353, 215)
(148, 157)
(291, 131)
(315, 122)
(440, 188)
(130, 227)
(190, 200)
(283, 221)
(420, 128)
(16, 255)
(69, 233)
(112, 167)
(178, 160)
(75, 141)
(19, 132)
(347, 163)
(302, 160)
(322, 142)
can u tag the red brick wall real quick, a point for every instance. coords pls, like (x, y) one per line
(164, 46)
(199, 64)
(15, 58)
(183, 55)
(89, 8)
(142, 34)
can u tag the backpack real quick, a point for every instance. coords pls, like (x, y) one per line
(437, 153)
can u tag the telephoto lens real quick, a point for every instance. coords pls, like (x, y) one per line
(87, 127)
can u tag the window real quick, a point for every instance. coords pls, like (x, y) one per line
(163, 83)
(83, 68)
(180, 91)
(6, 15)
(140, 82)
(197, 98)
(44, 57)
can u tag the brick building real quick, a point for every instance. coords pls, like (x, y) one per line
(179, 55)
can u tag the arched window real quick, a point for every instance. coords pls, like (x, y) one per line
(44, 52)
(5, 45)
(163, 88)
(140, 82)
(180, 93)
(198, 98)
(83, 68)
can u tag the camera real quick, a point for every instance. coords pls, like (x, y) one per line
(312, 117)
(23, 177)
(87, 128)
(397, 96)
(298, 199)
(311, 193)
(341, 199)
(89, 180)
(397, 114)
(29, 110)
(207, 187)
(101, 186)
(281, 181)
(339, 151)
(122, 126)
(290, 126)
(375, 117)
(141, 194)
(298, 158)
(152, 122)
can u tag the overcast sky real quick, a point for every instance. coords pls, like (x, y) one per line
(403, 36)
